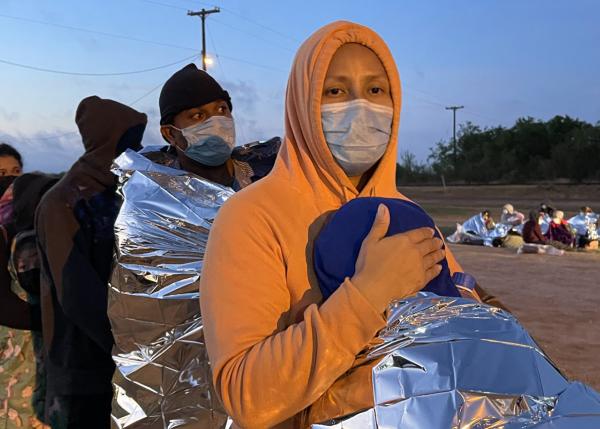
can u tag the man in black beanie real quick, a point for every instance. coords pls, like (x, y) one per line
(197, 123)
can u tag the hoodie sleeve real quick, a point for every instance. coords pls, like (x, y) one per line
(81, 294)
(265, 369)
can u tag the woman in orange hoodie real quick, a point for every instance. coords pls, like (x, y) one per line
(278, 352)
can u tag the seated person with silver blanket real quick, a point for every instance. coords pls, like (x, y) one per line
(443, 361)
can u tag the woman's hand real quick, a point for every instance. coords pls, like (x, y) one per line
(395, 267)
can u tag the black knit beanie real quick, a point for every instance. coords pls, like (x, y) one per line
(188, 88)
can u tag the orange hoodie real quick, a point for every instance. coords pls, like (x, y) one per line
(275, 347)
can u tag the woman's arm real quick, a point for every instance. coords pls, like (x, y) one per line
(265, 371)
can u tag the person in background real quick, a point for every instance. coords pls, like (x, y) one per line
(532, 233)
(197, 122)
(487, 220)
(585, 225)
(11, 162)
(548, 212)
(11, 166)
(74, 225)
(510, 216)
(20, 337)
(559, 230)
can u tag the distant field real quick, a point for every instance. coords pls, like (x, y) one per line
(458, 203)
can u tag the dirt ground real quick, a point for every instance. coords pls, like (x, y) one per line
(557, 298)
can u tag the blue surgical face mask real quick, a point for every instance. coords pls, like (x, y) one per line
(210, 142)
(357, 133)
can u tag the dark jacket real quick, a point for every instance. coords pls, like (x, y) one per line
(74, 225)
(561, 233)
(16, 313)
(532, 233)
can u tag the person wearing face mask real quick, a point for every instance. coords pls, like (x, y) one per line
(11, 167)
(20, 314)
(193, 175)
(197, 122)
(11, 163)
(278, 353)
(75, 234)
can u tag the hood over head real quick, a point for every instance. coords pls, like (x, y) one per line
(28, 191)
(107, 129)
(305, 154)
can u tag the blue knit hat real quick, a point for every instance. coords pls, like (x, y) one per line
(338, 244)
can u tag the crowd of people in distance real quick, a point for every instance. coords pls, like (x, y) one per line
(544, 226)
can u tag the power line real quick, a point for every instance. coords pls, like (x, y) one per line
(100, 33)
(212, 42)
(70, 73)
(253, 35)
(145, 94)
(135, 39)
(262, 66)
(222, 23)
(239, 15)
(433, 103)
(264, 27)
(468, 111)
(158, 3)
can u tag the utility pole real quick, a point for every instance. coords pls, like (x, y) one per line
(202, 14)
(454, 109)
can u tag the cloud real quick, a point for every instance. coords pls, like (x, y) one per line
(244, 95)
(51, 151)
(9, 116)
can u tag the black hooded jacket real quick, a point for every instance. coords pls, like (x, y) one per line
(28, 190)
(74, 225)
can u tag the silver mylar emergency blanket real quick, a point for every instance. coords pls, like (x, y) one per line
(162, 378)
(454, 363)
(586, 225)
(474, 231)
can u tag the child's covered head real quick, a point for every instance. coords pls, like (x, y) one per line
(338, 244)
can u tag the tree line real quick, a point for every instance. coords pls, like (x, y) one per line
(562, 148)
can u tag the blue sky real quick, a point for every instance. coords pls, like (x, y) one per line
(500, 59)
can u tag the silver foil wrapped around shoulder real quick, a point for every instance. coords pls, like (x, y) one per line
(453, 363)
(162, 378)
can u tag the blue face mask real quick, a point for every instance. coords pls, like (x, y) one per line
(210, 142)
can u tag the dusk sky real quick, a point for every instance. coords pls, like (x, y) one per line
(500, 59)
